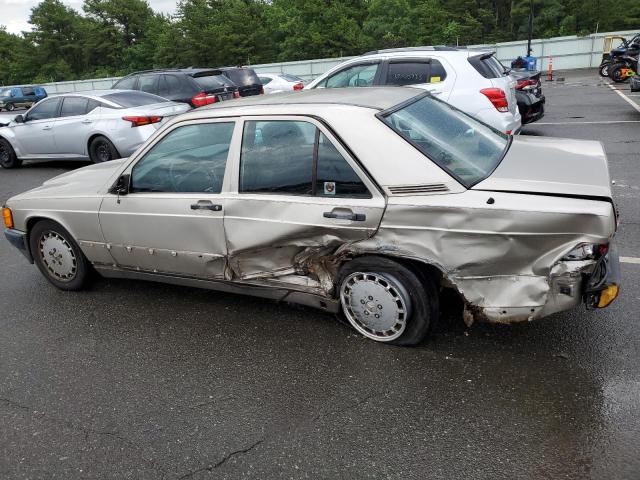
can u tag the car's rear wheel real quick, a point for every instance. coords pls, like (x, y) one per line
(386, 301)
(11, 107)
(102, 150)
(58, 256)
(8, 158)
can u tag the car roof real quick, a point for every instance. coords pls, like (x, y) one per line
(427, 51)
(377, 98)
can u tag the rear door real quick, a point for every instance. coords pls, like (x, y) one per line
(72, 127)
(299, 194)
(149, 84)
(429, 73)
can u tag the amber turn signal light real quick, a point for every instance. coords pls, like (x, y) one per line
(7, 216)
(608, 295)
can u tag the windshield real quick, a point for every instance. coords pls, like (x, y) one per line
(464, 147)
(5, 92)
(128, 99)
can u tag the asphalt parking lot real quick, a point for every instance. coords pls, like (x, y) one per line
(146, 381)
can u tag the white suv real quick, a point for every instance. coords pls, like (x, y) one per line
(473, 81)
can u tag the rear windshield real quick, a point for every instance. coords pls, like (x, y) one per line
(464, 147)
(128, 99)
(212, 82)
(290, 78)
(488, 66)
(243, 76)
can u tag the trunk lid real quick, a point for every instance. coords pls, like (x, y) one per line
(555, 166)
(166, 110)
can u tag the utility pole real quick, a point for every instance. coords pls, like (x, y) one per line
(530, 28)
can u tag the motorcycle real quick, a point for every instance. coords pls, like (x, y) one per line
(624, 68)
(611, 56)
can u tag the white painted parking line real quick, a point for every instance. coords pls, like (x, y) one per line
(625, 98)
(584, 123)
(635, 260)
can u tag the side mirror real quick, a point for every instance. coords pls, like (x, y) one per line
(19, 119)
(121, 187)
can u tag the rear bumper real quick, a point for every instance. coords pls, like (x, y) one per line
(531, 107)
(19, 240)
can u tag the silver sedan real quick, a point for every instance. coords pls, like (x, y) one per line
(372, 201)
(97, 125)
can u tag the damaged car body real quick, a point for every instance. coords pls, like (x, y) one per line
(368, 201)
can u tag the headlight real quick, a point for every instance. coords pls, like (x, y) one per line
(584, 251)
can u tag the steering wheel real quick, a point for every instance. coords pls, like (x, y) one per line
(177, 180)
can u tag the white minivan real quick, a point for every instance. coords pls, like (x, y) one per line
(473, 81)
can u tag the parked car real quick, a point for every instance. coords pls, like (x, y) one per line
(473, 81)
(529, 95)
(20, 97)
(280, 82)
(245, 78)
(368, 201)
(100, 125)
(196, 86)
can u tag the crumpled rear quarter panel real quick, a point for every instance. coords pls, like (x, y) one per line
(498, 256)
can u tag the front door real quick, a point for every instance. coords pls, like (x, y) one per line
(35, 136)
(172, 219)
(300, 197)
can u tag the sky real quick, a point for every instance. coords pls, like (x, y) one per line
(14, 14)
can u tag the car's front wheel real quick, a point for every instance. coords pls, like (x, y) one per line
(386, 301)
(58, 256)
(603, 70)
(102, 150)
(11, 107)
(8, 158)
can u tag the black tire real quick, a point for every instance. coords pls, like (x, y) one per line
(603, 70)
(102, 150)
(8, 157)
(46, 256)
(418, 292)
(615, 73)
(11, 107)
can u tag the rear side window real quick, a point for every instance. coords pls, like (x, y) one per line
(411, 72)
(488, 66)
(361, 75)
(133, 99)
(27, 91)
(149, 83)
(294, 158)
(127, 83)
(72, 106)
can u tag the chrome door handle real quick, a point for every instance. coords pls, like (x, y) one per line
(48, 127)
(206, 205)
(87, 121)
(355, 217)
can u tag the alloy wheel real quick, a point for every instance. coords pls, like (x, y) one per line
(377, 305)
(58, 256)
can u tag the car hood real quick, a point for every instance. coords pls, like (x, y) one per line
(86, 181)
(554, 166)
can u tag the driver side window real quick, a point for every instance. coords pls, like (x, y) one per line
(361, 75)
(44, 110)
(188, 159)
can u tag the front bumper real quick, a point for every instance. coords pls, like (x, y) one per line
(19, 240)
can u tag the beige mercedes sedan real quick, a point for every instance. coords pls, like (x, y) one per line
(370, 201)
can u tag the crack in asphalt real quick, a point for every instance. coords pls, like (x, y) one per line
(85, 430)
(224, 459)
